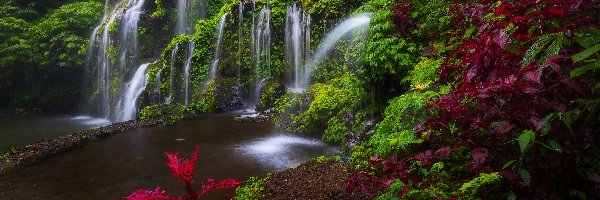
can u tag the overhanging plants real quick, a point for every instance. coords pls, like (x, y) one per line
(183, 169)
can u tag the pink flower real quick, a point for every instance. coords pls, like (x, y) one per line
(181, 167)
(148, 194)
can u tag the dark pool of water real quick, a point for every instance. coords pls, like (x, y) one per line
(17, 131)
(114, 167)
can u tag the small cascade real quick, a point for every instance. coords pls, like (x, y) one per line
(186, 73)
(297, 46)
(157, 82)
(240, 33)
(172, 89)
(135, 87)
(188, 12)
(112, 53)
(347, 26)
(215, 63)
(260, 48)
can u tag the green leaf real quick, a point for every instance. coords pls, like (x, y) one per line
(525, 176)
(594, 66)
(554, 146)
(585, 54)
(508, 164)
(525, 139)
(547, 123)
(533, 51)
(588, 38)
(469, 32)
(555, 46)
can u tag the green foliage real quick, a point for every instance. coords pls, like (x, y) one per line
(272, 91)
(209, 103)
(525, 139)
(555, 40)
(470, 188)
(336, 130)
(170, 112)
(325, 159)
(395, 131)
(160, 11)
(42, 51)
(335, 99)
(252, 190)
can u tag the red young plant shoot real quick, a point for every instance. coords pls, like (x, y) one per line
(183, 169)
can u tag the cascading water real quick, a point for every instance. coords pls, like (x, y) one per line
(186, 73)
(297, 46)
(261, 51)
(215, 64)
(240, 33)
(157, 82)
(172, 74)
(135, 87)
(105, 70)
(188, 12)
(347, 26)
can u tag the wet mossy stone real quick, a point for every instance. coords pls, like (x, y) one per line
(227, 95)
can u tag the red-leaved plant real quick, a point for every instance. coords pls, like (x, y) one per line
(183, 169)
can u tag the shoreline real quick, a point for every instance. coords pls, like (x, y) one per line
(31, 153)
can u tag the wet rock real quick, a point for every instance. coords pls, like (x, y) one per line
(227, 95)
(44, 147)
(256, 117)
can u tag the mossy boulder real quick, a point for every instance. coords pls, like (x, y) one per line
(270, 90)
(223, 95)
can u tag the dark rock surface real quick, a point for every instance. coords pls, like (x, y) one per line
(227, 95)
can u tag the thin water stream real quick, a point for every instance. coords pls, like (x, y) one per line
(113, 167)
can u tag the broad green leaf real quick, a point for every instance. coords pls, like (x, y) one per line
(555, 46)
(585, 54)
(588, 38)
(526, 138)
(594, 66)
(533, 51)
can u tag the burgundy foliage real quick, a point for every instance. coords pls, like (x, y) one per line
(183, 169)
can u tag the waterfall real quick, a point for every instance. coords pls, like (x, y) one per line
(188, 12)
(260, 50)
(348, 25)
(215, 63)
(157, 82)
(172, 89)
(135, 87)
(297, 45)
(112, 52)
(240, 32)
(186, 73)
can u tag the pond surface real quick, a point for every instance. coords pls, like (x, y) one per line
(114, 167)
(18, 131)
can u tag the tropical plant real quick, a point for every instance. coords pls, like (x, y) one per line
(183, 169)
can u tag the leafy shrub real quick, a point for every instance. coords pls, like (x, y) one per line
(252, 190)
(327, 101)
